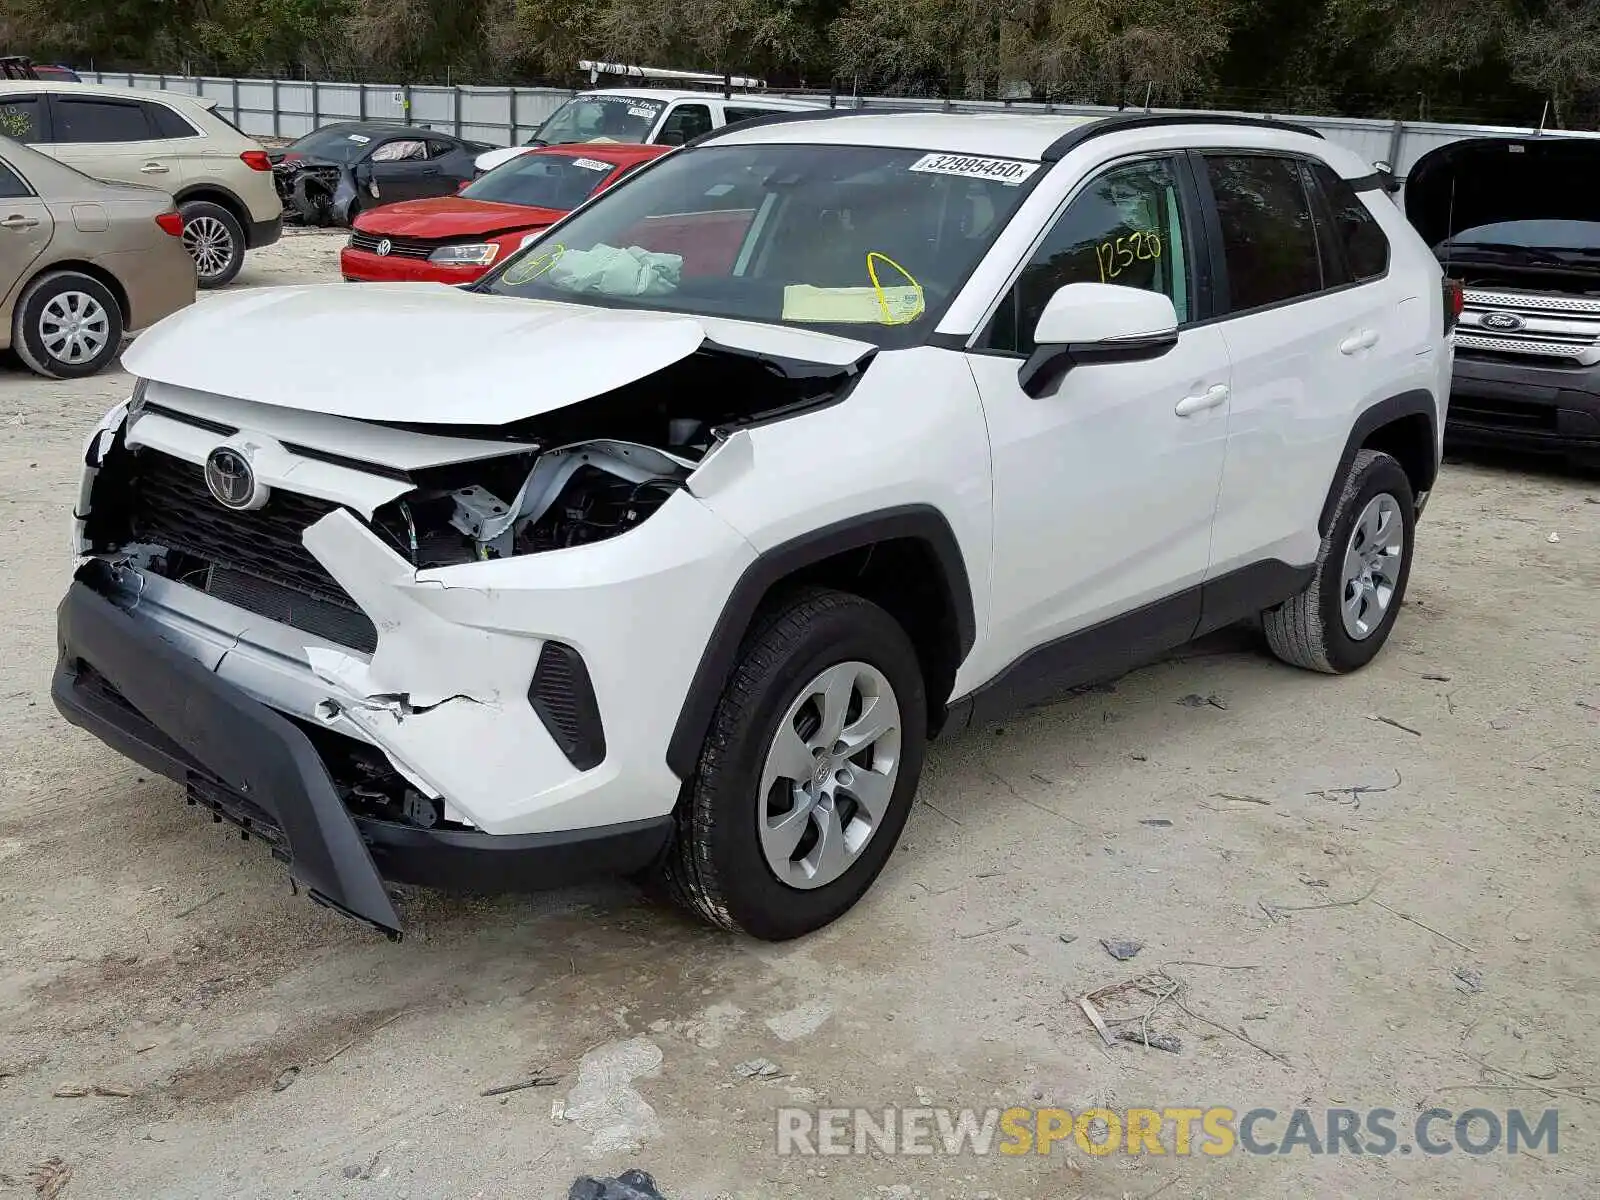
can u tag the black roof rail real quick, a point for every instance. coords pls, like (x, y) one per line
(774, 118)
(1074, 138)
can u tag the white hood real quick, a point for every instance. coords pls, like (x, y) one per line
(490, 159)
(428, 353)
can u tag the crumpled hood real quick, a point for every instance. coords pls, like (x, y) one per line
(453, 216)
(429, 353)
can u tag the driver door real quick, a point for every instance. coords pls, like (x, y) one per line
(1105, 488)
(401, 170)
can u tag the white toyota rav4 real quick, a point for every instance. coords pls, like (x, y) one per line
(667, 547)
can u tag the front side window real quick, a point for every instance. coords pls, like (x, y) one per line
(559, 181)
(22, 118)
(865, 241)
(400, 150)
(1355, 230)
(595, 118)
(100, 121)
(1269, 238)
(1127, 227)
(685, 122)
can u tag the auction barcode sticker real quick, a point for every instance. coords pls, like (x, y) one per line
(1001, 170)
(591, 164)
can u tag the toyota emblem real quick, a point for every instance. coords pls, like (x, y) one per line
(1504, 322)
(231, 480)
(385, 246)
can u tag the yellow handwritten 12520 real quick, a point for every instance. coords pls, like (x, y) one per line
(1116, 257)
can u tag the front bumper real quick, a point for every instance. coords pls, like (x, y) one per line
(1533, 406)
(141, 695)
(363, 266)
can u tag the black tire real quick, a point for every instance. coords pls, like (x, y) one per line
(715, 866)
(1309, 630)
(217, 223)
(27, 338)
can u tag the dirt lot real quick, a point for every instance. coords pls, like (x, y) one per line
(1431, 942)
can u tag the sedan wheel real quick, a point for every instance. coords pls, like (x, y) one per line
(74, 328)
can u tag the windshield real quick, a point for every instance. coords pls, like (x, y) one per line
(335, 144)
(1578, 236)
(868, 242)
(558, 181)
(596, 117)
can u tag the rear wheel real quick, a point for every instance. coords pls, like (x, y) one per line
(1341, 621)
(807, 774)
(214, 239)
(66, 325)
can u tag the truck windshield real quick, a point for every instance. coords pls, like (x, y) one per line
(869, 242)
(597, 116)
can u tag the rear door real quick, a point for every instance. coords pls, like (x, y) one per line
(1302, 337)
(111, 138)
(188, 148)
(25, 228)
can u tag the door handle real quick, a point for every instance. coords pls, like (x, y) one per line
(1213, 398)
(16, 221)
(1365, 340)
(154, 168)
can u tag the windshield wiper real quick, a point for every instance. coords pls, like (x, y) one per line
(1531, 254)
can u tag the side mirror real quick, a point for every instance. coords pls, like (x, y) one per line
(1092, 323)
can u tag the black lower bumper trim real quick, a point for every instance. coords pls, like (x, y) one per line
(250, 765)
(264, 233)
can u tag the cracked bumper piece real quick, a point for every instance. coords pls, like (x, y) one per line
(141, 695)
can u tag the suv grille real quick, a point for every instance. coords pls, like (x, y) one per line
(398, 247)
(1529, 324)
(256, 559)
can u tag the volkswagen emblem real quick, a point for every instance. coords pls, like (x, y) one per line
(231, 481)
(1503, 322)
(384, 246)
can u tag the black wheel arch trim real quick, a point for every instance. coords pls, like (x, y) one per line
(1418, 403)
(203, 191)
(912, 521)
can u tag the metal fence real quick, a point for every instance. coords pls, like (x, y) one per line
(508, 115)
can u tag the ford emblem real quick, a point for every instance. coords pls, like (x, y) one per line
(231, 480)
(1502, 322)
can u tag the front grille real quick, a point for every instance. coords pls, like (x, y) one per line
(398, 247)
(254, 560)
(1558, 327)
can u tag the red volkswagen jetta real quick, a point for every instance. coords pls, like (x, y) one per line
(455, 239)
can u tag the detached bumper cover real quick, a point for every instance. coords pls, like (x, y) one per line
(121, 681)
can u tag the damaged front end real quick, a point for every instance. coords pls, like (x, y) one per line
(315, 194)
(395, 617)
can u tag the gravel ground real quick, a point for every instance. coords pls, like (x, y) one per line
(1428, 942)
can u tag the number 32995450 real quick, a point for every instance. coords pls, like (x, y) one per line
(1116, 257)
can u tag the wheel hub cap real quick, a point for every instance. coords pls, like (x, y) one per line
(74, 328)
(1372, 566)
(829, 774)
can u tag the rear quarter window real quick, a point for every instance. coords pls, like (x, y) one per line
(167, 123)
(1356, 232)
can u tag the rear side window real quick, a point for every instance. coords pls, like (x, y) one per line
(439, 149)
(22, 118)
(168, 124)
(732, 114)
(1356, 231)
(11, 185)
(1269, 239)
(100, 121)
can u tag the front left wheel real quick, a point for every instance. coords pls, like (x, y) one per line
(808, 771)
